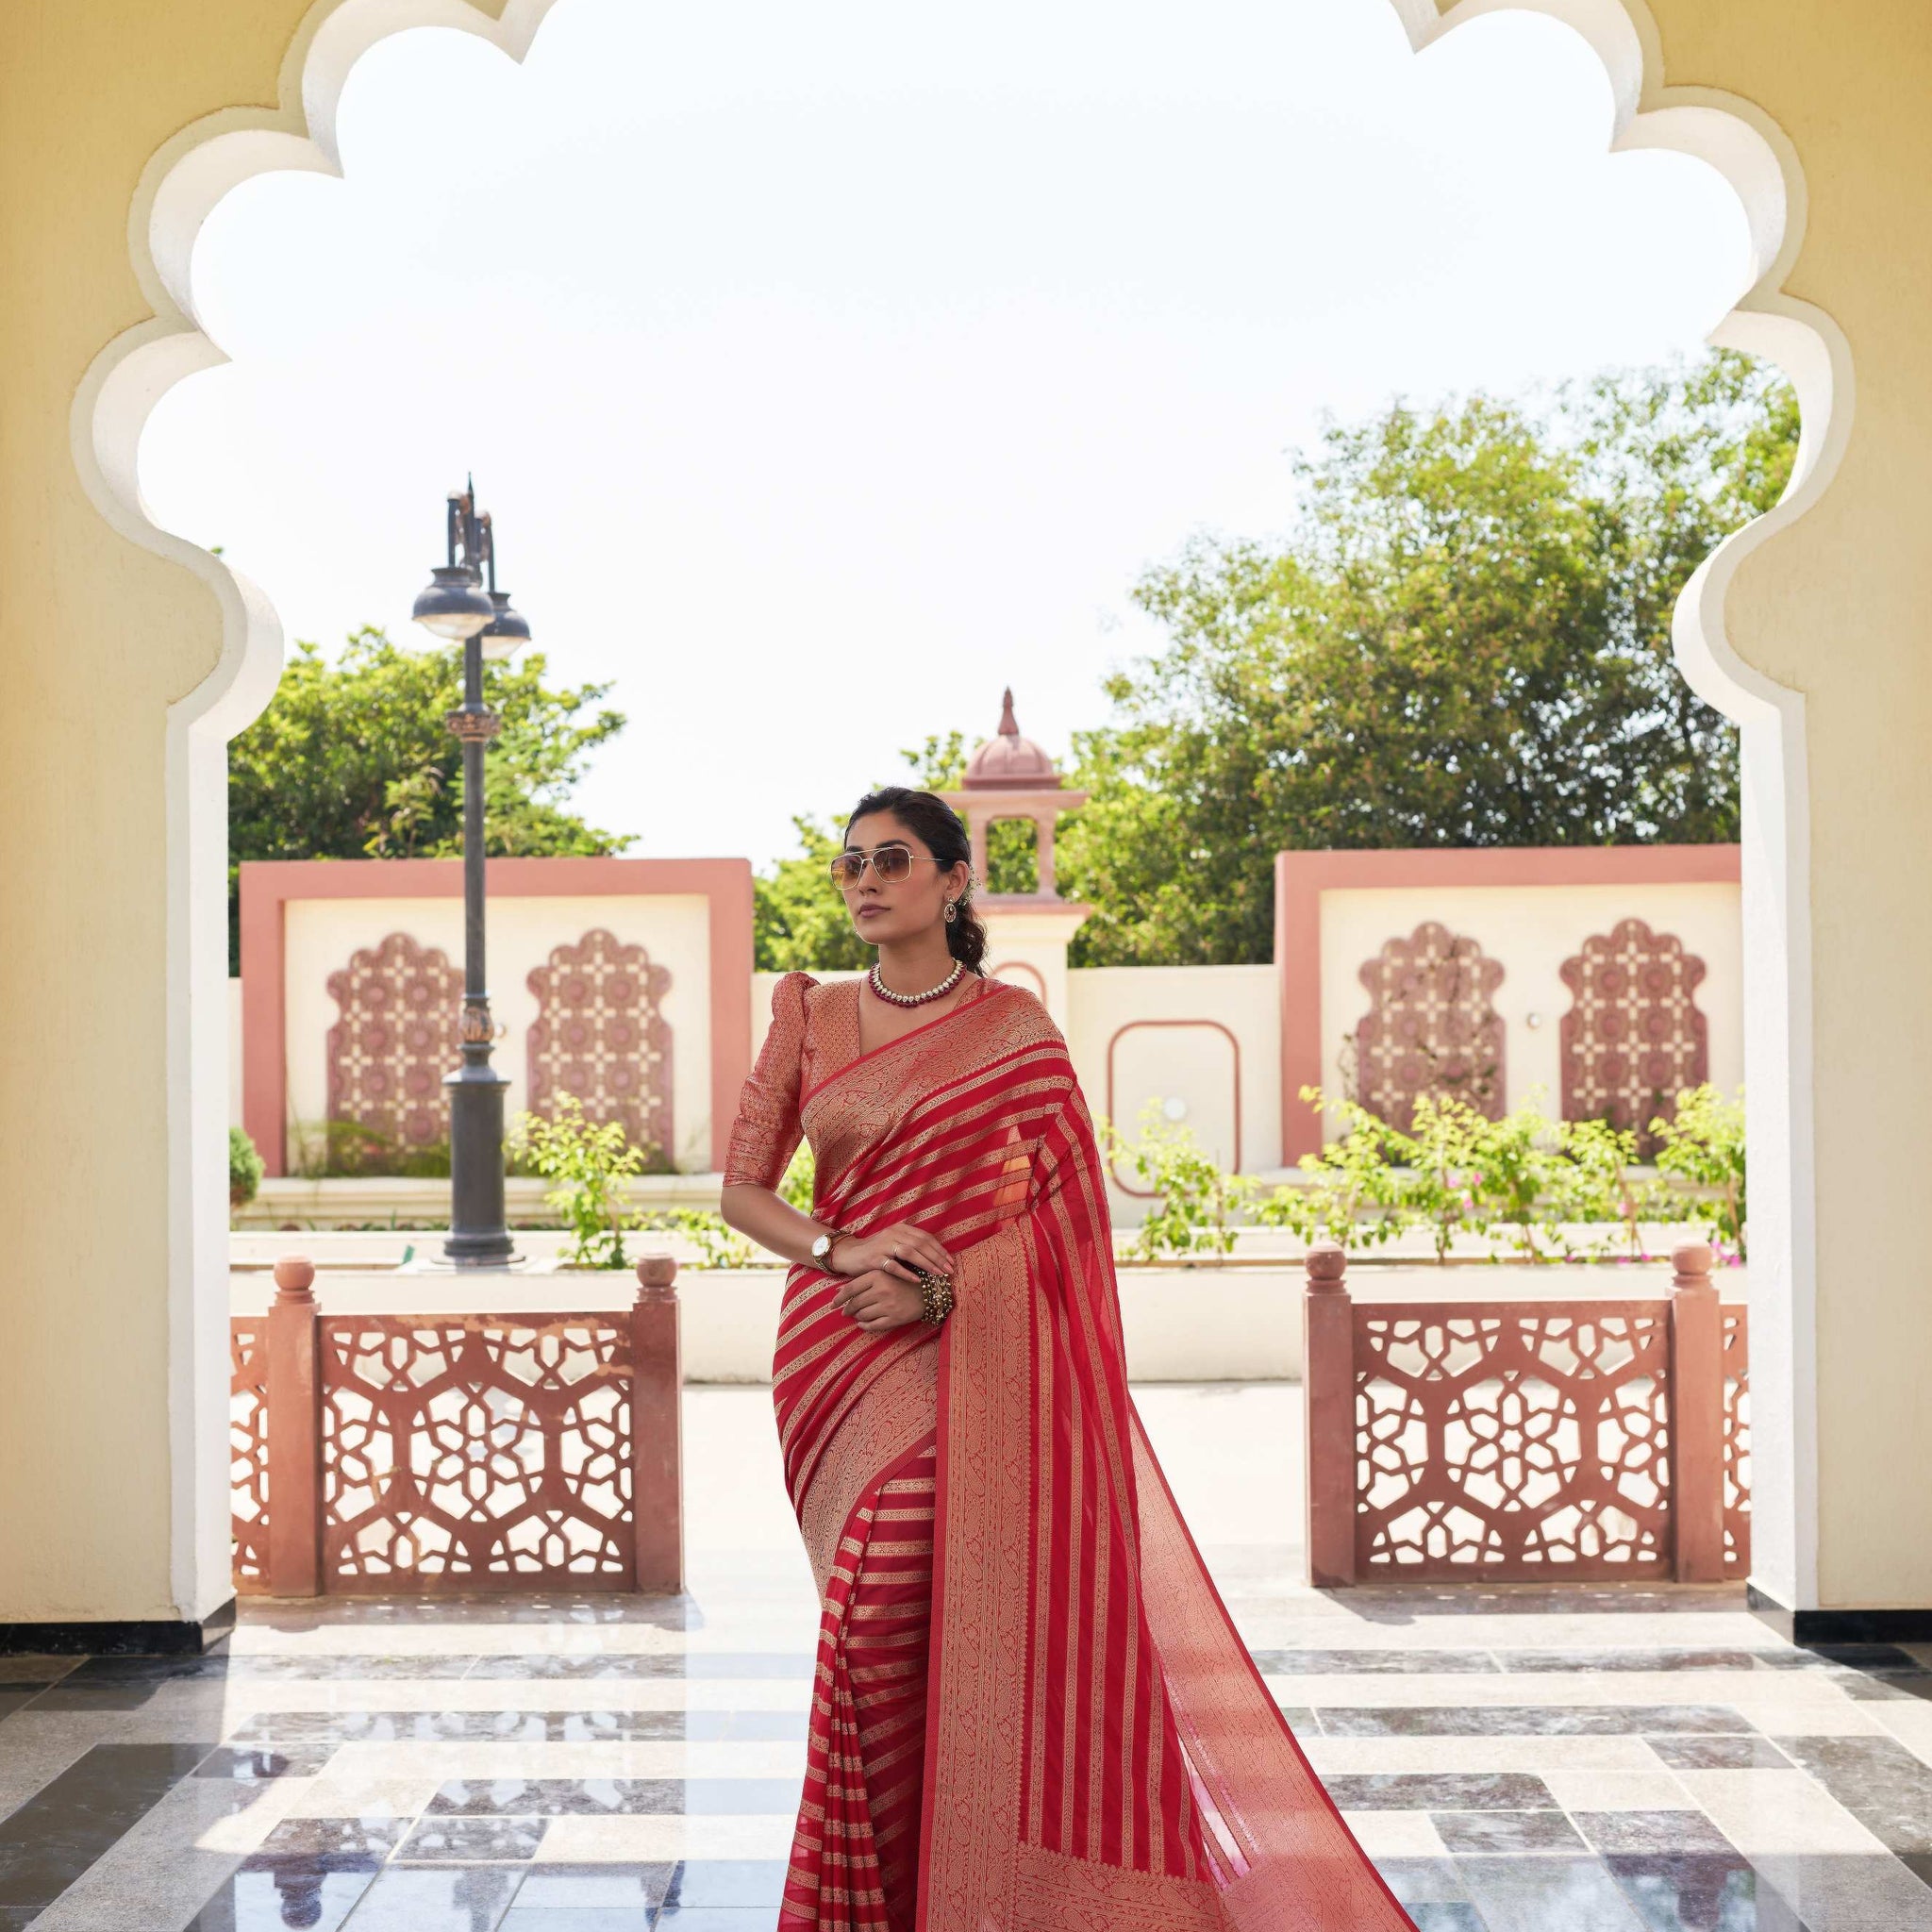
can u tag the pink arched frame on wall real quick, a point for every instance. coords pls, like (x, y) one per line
(1227, 1033)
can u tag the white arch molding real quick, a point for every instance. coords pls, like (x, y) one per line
(188, 176)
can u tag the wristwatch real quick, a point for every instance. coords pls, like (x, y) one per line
(822, 1248)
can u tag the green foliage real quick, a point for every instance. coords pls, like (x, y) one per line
(798, 915)
(1515, 1163)
(1525, 1180)
(1355, 1194)
(719, 1244)
(351, 759)
(1464, 640)
(800, 1186)
(245, 1169)
(1198, 1202)
(589, 1164)
(1704, 1145)
(1593, 1184)
(1429, 1177)
(1445, 1148)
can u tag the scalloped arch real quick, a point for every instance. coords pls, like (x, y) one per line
(190, 175)
(1759, 160)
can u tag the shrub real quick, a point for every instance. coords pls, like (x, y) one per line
(589, 1164)
(1704, 1145)
(1197, 1201)
(719, 1244)
(245, 1169)
(1592, 1182)
(1514, 1180)
(1353, 1193)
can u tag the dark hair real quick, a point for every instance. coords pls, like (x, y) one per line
(943, 833)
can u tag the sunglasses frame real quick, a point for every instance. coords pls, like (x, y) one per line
(870, 861)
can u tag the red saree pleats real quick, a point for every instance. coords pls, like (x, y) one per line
(1099, 1754)
(854, 1860)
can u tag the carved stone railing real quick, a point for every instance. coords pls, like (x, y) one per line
(385, 1455)
(1510, 1440)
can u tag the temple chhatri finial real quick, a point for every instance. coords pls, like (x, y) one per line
(1010, 725)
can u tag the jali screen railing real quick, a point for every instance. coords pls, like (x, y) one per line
(1513, 1440)
(382, 1455)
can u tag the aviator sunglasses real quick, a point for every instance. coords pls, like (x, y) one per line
(889, 864)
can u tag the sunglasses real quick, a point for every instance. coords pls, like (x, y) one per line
(889, 864)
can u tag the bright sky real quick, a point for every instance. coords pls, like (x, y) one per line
(828, 367)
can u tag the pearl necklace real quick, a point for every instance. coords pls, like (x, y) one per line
(916, 999)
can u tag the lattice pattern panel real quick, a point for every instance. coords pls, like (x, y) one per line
(1737, 1360)
(1522, 1441)
(400, 1008)
(601, 1036)
(475, 1452)
(1633, 1039)
(248, 1452)
(1430, 1027)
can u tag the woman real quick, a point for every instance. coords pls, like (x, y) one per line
(1032, 1713)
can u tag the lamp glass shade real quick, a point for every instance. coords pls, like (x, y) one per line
(454, 605)
(508, 631)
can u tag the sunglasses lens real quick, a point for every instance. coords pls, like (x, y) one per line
(893, 862)
(848, 869)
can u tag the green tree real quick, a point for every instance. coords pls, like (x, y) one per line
(1464, 640)
(351, 760)
(798, 917)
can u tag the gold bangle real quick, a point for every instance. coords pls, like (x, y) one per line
(936, 1297)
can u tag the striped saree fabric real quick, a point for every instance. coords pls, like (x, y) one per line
(1032, 1713)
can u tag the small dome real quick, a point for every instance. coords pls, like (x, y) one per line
(1008, 762)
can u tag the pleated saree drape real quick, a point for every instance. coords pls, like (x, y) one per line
(1032, 1713)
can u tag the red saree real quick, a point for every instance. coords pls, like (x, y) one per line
(1032, 1713)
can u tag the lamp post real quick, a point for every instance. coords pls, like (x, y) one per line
(462, 604)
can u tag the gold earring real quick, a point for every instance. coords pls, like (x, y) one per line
(952, 911)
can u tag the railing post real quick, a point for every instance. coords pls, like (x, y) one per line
(295, 1433)
(657, 1429)
(1697, 1419)
(1328, 1413)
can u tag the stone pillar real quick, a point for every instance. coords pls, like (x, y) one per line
(1329, 1417)
(657, 1430)
(1696, 1418)
(294, 1433)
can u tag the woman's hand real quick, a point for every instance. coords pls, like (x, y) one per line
(879, 1302)
(899, 1250)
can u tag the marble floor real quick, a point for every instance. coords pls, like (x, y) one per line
(1514, 1760)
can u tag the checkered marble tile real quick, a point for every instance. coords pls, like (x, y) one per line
(1550, 1760)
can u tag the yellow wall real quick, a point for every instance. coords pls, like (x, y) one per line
(1838, 607)
(99, 637)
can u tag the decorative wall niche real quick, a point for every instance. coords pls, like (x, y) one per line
(396, 1039)
(600, 1036)
(1633, 1038)
(1430, 1027)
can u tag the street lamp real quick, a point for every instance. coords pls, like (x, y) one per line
(462, 604)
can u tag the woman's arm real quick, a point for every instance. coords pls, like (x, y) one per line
(881, 1291)
(771, 1221)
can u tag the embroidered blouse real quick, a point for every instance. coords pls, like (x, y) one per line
(814, 1033)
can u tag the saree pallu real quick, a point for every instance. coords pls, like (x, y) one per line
(1032, 1713)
